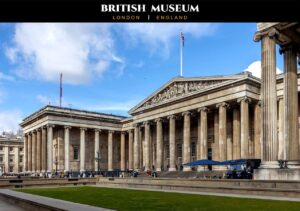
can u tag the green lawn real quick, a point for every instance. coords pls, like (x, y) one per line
(122, 199)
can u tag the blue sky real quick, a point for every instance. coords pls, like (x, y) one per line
(111, 67)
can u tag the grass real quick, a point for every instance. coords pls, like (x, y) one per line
(122, 199)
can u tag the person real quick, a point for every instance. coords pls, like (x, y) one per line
(234, 173)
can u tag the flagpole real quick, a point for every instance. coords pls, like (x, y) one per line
(181, 54)
(60, 90)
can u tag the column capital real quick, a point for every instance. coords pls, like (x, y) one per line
(186, 113)
(172, 117)
(123, 132)
(223, 104)
(280, 97)
(67, 127)
(111, 131)
(83, 128)
(288, 47)
(50, 125)
(136, 125)
(272, 33)
(130, 130)
(158, 120)
(98, 130)
(245, 99)
(205, 109)
(146, 123)
(259, 103)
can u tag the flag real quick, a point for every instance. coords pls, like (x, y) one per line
(182, 39)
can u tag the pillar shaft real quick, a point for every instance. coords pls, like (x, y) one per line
(257, 131)
(97, 149)
(130, 149)
(159, 144)
(291, 104)
(269, 102)
(16, 160)
(203, 133)
(34, 151)
(147, 146)
(222, 131)
(110, 150)
(136, 148)
(236, 134)
(215, 152)
(244, 127)
(67, 148)
(172, 143)
(44, 149)
(123, 166)
(281, 141)
(82, 149)
(25, 160)
(38, 150)
(50, 148)
(29, 146)
(186, 139)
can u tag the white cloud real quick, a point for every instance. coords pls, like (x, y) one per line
(255, 69)
(112, 106)
(46, 100)
(9, 120)
(79, 51)
(157, 36)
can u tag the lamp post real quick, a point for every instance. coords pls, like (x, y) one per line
(98, 159)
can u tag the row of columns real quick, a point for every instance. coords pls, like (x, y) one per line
(284, 145)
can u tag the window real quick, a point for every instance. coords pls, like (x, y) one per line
(193, 149)
(11, 159)
(179, 150)
(21, 159)
(21, 149)
(21, 169)
(167, 151)
(1, 148)
(76, 149)
(11, 169)
(11, 149)
(1, 158)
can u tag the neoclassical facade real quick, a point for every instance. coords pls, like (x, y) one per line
(216, 117)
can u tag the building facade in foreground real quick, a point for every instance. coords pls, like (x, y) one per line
(11, 154)
(217, 117)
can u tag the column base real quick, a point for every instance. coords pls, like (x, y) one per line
(172, 169)
(269, 165)
(187, 168)
(293, 164)
(276, 174)
(158, 169)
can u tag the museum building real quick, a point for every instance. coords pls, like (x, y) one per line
(215, 117)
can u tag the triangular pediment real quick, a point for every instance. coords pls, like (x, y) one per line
(181, 87)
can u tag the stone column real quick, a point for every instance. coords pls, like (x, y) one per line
(215, 152)
(147, 146)
(82, 149)
(16, 160)
(29, 147)
(130, 149)
(159, 144)
(244, 126)
(236, 134)
(50, 148)
(38, 149)
(186, 139)
(290, 98)
(96, 148)
(44, 149)
(269, 102)
(34, 151)
(136, 155)
(257, 128)
(110, 150)
(172, 142)
(222, 131)
(25, 159)
(281, 140)
(67, 148)
(123, 158)
(6, 158)
(203, 133)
